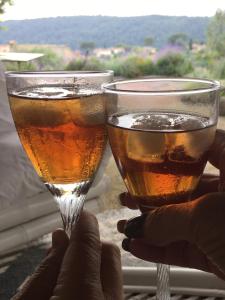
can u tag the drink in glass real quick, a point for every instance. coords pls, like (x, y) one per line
(60, 119)
(160, 131)
(160, 160)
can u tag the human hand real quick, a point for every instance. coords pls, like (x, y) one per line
(190, 234)
(80, 268)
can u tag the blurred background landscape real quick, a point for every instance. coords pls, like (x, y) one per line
(134, 39)
(131, 46)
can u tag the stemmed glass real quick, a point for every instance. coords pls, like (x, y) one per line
(160, 131)
(60, 119)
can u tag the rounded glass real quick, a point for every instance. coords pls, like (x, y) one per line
(160, 131)
(60, 119)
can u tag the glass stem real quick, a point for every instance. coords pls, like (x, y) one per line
(70, 199)
(71, 219)
(163, 284)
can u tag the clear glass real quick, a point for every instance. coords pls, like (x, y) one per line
(160, 131)
(60, 119)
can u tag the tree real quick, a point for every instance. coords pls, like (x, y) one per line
(3, 3)
(93, 64)
(50, 61)
(179, 39)
(216, 33)
(87, 47)
(173, 65)
(148, 41)
(190, 44)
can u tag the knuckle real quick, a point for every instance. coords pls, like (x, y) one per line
(111, 250)
(87, 215)
(88, 218)
(90, 239)
(207, 212)
(151, 227)
(207, 204)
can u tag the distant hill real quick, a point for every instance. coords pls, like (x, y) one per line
(104, 31)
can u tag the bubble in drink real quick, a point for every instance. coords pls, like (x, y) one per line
(63, 133)
(160, 155)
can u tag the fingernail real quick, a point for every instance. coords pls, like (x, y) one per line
(120, 225)
(122, 197)
(126, 245)
(134, 227)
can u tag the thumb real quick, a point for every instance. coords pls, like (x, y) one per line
(218, 148)
(217, 156)
(79, 277)
(163, 225)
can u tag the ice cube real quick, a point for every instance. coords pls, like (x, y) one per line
(152, 121)
(146, 146)
(91, 110)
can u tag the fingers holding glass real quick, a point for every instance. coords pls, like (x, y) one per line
(187, 234)
(42, 283)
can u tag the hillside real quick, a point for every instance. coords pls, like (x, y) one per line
(104, 31)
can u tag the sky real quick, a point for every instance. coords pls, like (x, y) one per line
(31, 9)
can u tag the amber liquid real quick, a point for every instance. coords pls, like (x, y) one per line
(161, 156)
(63, 135)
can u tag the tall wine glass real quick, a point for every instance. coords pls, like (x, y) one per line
(60, 119)
(160, 131)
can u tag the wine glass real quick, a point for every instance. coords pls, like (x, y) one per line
(60, 119)
(160, 131)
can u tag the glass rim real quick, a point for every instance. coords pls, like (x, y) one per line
(214, 85)
(59, 74)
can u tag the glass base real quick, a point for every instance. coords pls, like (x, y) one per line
(70, 199)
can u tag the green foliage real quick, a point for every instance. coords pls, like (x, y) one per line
(219, 69)
(207, 63)
(216, 33)
(136, 66)
(115, 64)
(131, 67)
(199, 72)
(125, 46)
(202, 58)
(75, 65)
(92, 64)
(50, 61)
(148, 41)
(87, 47)
(173, 65)
(23, 66)
(104, 31)
(179, 39)
(3, 3)
(147, 67)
